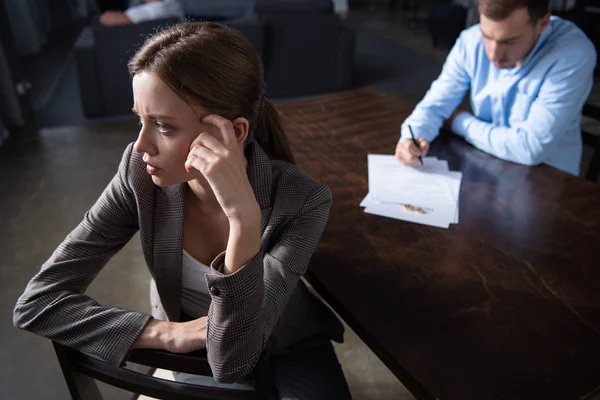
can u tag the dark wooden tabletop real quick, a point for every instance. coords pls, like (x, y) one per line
(504, 305)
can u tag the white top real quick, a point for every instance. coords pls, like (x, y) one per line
(195, 298)
(193, 273)
(155, 10)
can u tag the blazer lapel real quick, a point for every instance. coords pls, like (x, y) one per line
(169, 210)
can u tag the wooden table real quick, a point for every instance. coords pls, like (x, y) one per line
(504, 305)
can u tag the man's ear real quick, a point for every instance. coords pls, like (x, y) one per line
(241, 127)
(544, 21)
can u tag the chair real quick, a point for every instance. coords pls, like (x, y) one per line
(81, 370)
(593, 141)
(308, 49)
(101, 54)
(446, 22)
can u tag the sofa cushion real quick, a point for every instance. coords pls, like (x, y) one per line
(272, 7)
(115, 46)
(220, 9)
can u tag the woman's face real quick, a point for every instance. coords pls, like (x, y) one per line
(168, 127)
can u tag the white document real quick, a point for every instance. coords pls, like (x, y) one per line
(425, 194)
(454, 178)
(440, 217)
(393, 183)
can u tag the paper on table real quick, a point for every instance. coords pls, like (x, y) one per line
(440, 165)
(454, 179)
(437, 190)
(439, 215)
(393, 183)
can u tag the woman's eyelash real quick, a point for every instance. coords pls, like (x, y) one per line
(162, 127)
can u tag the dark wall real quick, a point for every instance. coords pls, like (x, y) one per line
(11, 107)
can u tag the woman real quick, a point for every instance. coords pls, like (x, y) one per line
(227, 224)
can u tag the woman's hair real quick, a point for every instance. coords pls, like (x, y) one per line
(218, 68)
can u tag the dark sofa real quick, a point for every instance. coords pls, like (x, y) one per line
(308, 49)
(305, 48)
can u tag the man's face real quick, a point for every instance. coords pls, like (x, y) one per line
(509, 41)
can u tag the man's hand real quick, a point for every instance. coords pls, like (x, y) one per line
(408, 154)
(114, 18)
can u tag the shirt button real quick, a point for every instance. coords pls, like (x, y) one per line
(214, 291)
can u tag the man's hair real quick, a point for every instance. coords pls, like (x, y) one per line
(498, 10)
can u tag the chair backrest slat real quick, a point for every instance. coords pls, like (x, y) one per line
(81, 370)
(191, 363)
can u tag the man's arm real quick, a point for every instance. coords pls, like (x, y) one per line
(561, 97)
(445, 94)
(155, 10)
(114, 18)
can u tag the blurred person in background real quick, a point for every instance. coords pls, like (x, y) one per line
(141, 11)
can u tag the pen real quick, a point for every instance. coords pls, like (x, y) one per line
(415, 142)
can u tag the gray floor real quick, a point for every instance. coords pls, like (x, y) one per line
(50, 177)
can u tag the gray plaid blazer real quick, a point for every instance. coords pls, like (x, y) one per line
(264, 304)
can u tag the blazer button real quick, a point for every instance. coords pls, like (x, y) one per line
(214, 291)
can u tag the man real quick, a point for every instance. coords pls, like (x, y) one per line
(529, 76)
(146, 11)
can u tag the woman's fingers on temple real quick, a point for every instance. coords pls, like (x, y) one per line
(203, 153)
(199, 156)
(225, 126)
(205, 139)
(189, 164)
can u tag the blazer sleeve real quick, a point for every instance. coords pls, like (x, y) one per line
(247, 304)
(54, 304)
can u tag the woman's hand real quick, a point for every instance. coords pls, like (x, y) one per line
(188, 336)
(176, 337)
(223, 165)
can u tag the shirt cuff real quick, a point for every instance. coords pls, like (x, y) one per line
(134, 15)
(147, 12)
(461, 123)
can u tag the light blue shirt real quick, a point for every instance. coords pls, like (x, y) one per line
(139, 11)
(528, 114)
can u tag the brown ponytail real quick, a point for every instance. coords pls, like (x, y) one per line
(218, 68)
(270, 135)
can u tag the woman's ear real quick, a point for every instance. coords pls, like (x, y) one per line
(241, 127)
